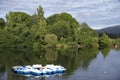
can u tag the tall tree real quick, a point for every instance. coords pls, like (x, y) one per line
(40, 11)
(61, 29)
(42, 22)
(2, 23)
(38, 29)
(66, 19)
(19, 23)
(87, 37)
(104, 41)
(6, 38)
(15, 18)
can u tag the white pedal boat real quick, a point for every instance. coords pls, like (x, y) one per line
(38, 69)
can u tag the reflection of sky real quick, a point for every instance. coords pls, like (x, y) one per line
(97, 13)
(101, 68)
(3, 76)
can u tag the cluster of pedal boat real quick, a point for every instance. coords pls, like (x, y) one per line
(38, 69)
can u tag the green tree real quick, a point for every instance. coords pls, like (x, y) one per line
(15, 18)
(51, 40)
(69, 21)
(87, 37)
(52, 19)
(104, 41)
(6, 39)
(63, 17)
(61, 29)
(40, 11)
(17, 22)
(36, 30)
(2, 23)
(39, 25)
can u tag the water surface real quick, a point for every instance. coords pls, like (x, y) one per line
(84, 64)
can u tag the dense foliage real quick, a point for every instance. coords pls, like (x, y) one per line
(104, 41)
(58, 30)
(2, 23)
(87, 37)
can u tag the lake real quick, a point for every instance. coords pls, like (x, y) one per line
(81, 64)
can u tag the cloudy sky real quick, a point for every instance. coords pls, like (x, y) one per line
(96, 13)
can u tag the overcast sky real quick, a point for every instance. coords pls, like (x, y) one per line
(96, 13)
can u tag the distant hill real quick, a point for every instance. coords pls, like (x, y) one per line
(110, 30)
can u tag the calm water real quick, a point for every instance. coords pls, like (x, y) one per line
(87, 64)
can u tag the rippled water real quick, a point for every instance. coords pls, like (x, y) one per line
(84, 64)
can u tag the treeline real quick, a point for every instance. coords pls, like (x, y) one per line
(59, 30)
(111, 35)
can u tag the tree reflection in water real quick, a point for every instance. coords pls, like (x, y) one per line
(71, 59)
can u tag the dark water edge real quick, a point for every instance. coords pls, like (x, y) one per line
(85, 64)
